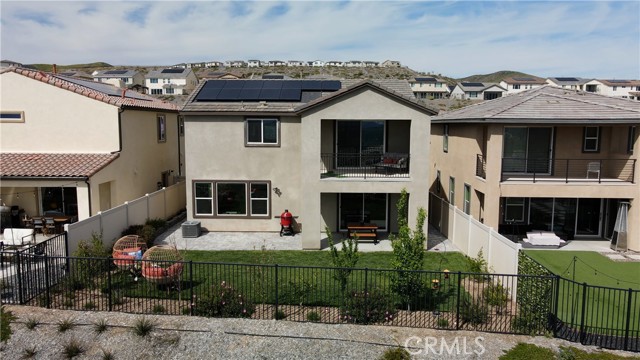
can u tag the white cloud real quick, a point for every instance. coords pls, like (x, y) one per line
(590, 39)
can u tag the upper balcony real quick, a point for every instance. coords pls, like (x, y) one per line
(365, 166)
(567, 170)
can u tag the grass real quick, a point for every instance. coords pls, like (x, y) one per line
(524, 351)
(143, 327)
(72, 348)
(100, 326)
(66, 324)
(590, 267)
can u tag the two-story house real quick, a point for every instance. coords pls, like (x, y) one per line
(78, 147)
(548, 159)
(477, 91)
(428, 87)
(175, 81)
(124, 78)
(573, 83)
(331, 152)
(626, 89)
(514, 85)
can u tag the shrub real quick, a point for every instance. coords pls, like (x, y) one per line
(85, 269)
(297, 291)
(345, 260)
(156, 223)
(29, 353)
(313, 316)
(186, 310)
(31, 323)
(72, 349)
(143, 327)
(442, 322)
(524, 351)
(158, 309)
(148, 233)
(224, 301)
(496, 294)
(6, 317)
(66, 324)
(132, 230)
(117, 298)
(474, 312)
(396, 354)
(478, 266)
(90, 305)
(366, 307)
(107, 355)
(100, 326)
(43, 301)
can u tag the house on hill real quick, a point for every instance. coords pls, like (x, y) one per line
(477, 91)
(78, 147)
(514, 85)
(428, 87)
(174, 81)
(122, 78)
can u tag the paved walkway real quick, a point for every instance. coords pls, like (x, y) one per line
(273, 241)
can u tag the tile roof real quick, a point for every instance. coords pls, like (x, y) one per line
(620, 82)
(56, 165)
(99, 91)
(398, 88)
(171, 75)
(105, 73)
(471, 86)
(564, 81)
(548, 104)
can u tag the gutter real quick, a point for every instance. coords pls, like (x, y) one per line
(86, 181)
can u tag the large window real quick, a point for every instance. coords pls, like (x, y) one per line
(162, 128)
(466, 206)
(363, 208)
(231, 199)
(156, 91)
(153, 80)
(359, 143)
(262, 132)
(445, 138)
(591, 139)
(514, 210)
(452, 190)
(527, 150)
(631, 139)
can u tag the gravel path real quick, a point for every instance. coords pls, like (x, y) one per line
(183, 337)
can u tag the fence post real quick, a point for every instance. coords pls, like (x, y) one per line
(276, 281)
(109, 290)
(46, 279)
(191, 299)
(366, 273)
(19, 275)
(582, 315)
(555, 305)
(458, 301)
(626, 329)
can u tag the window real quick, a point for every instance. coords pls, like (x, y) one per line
(445, 139)
(181, 126)
(203, 198)
(262, 132)
(615, 88)
(124, 80)
(248, 199)
(162, 128)
(452, 190)
(466, 206)
(438, 85)
(11, 116)
(631, 139)
(516, 87)
(153, 80)
(591, 139)
(514, 210)
(169, 90)
(438, 183)
(156, 91)
(473, 94)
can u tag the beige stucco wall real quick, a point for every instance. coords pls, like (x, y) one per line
(215, 150)
(364, 104)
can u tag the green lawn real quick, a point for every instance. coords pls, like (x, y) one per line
(590, 267)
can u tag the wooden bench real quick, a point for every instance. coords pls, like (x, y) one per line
(363, 231)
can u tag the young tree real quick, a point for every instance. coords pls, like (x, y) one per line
(408, 253)
(345, 260)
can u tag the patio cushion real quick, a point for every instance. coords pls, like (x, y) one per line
(17, 236)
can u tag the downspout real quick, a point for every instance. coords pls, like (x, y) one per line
(86, 181)
(120, 111)
(179, 154)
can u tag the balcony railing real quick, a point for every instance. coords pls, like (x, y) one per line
(568, 170)
(387, 165)
(481, 166)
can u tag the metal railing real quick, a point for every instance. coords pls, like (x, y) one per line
(357, 165)
(481, 166)
(568, 170)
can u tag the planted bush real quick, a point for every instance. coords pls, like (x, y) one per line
(224, 301)
(474, 312)
(366, 307)
(496, 294)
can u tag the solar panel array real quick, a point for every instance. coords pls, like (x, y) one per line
(567, 79)
(104, 88)
(426, 79)
(263, 90)
(524, 79)
(618, 81)
(472, 84)
(115, 72)
(172, 71)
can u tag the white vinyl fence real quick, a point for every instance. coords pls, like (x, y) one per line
(162, 204)
(469, 235)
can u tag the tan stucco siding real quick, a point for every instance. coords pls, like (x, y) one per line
(50, 112)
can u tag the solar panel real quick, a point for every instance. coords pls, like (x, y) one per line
(311, 85)
(269, 94)
(273, 77)
(618, 81)
(115, 72)
(524, 79)
(330, 85)
(566, 79)
(229, 94)
(265, 90)
(272, 84)
(256, 84)
(426, 79)
(218, 84)
(290, 95)
(293, 84)
(172, 71)
(208, 94)
(249, 94)
(472, 84)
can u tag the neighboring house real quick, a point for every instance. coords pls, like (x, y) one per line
(371, 63)
(547, 159)
(429, 88)
(277, 63)
(238, 63)
(573, 83)
(210, 64)
(196, 65)
(390, 63)
(174, 81)
(122, 78)
(477, 91)
(317, 63)
(334, 63)
(254, 63)
(514, 85)
(330, 152)
(80, 147)
(354, 63)
(626, 89)
(77, 74)
(296, 63)
(9, 63)
(219, 75)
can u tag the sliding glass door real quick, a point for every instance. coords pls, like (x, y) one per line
(359, 143)
(363, 208)
(527, 150)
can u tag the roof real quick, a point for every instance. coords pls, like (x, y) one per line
(169, 73)
(548, 104)
(122, 73)
(477, 86)
(399, 89)
(620, 82)
(525, 80)
(426, 79)
(41, 165)
(568, 80)
(98, 91)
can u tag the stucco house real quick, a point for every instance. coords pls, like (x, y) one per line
(123, 78)
(547, 159)
(477, 91)
(514, 85)
(626, 89)
(173, 81)
(573, 83)
(331, 152)
(78, 147)
(429, 87)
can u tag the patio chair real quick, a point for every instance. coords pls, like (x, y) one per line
(38, 225)
(593, 167)
(49, 226)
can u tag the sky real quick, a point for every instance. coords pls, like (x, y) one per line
(591, 39)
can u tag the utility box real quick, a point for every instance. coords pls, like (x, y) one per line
(191, 229)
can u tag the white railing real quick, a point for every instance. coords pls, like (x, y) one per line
(162, 204)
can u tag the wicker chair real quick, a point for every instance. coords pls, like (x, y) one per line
(127, 250)
(160, 265)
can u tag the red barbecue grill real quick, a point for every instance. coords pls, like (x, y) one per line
(286, 219)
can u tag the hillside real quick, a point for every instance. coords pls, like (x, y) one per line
(495, 77)
(84, 67)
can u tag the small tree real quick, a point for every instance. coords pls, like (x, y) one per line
(408, 253)
(345, 259)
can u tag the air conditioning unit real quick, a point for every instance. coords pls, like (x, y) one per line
(191, 229)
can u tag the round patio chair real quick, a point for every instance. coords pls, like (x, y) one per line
(127, 250)
(160, 264)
